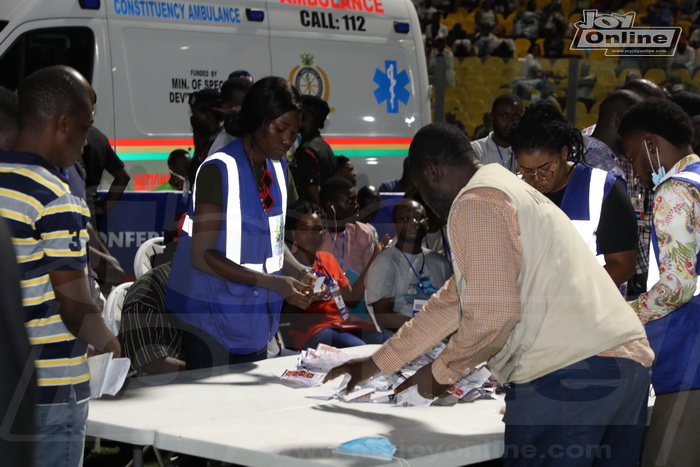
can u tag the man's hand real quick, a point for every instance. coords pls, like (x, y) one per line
(359, 370)
(428, 387)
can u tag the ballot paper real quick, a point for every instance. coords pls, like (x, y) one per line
(313, 364)
(302, 378)
(323, 358)
(411, 397)
(107, 374)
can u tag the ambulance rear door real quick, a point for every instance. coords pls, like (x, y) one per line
(164, 51)
(366, 59)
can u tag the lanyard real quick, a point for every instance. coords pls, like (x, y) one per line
(342, 252)
(418, 277)
(325, 272)
(503, 162)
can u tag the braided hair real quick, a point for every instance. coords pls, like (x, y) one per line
(543, 128)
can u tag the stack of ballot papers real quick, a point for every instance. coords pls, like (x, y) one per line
(313, 364)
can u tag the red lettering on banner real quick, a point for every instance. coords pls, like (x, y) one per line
(147, 182)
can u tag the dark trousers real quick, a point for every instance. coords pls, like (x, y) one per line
(203, 351)
(590, 413)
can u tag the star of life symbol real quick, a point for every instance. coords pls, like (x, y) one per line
(616, 34)
(392, 87)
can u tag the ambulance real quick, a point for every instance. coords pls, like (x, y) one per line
(145, 57)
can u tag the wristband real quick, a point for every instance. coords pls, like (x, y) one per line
(303, 272)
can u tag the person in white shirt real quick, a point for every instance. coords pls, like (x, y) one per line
(495, 148)
(402, 278)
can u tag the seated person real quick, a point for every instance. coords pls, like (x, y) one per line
(306, 224)
(370, 203)
(150, 336)
(345, 169)
(350, 241)
(178, 163)
(394, 291)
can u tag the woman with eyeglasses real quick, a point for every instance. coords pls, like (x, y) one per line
(550, 154)
(232, 270)
(322, 322)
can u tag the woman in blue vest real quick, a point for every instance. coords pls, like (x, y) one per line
(228, 277)
(656, 136)
(550, 152)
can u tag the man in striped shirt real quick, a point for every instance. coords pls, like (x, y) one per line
(529, 298)
(49, 234)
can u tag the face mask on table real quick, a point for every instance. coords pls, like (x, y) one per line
(377, 448)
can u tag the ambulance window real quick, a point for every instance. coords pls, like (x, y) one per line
(45, 47)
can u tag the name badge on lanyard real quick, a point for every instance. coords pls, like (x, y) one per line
(277, 235)
(418, 305)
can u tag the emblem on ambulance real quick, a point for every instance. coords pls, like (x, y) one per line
(391, 86)
(310, 79)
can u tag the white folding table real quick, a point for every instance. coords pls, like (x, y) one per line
(242, 414)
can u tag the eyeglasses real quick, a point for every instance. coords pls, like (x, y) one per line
(542, 174)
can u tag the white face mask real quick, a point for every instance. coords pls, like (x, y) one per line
(179, 177)
(656, 177)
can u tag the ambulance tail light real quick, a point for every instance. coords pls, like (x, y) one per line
(89, 4)
(254, 14)
(401, 27)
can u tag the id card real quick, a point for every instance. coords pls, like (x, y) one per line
(277, 235)
(418, 305)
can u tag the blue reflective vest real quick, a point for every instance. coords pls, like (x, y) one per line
(675, 338)
(241, 317)
(583, 202)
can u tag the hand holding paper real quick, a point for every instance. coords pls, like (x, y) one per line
(426, 384)
(359, 370)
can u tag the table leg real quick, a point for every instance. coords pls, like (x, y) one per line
(138, 456)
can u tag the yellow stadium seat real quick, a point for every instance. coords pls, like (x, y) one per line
(585, 120)
(452, 104)
(656, 75)
(522, 45)
(479, 92)
(685, 25)
(683, 73)
(457, 93)
(476, 109)
(463, 117)
(496, 63)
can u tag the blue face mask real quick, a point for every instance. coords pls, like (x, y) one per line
(656, 177)
(376, 448)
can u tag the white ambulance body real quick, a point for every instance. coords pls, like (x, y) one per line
(144, 58)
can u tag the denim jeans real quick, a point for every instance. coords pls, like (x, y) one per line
(60, 434)
(590, 413)
(344, 339)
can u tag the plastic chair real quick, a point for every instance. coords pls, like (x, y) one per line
(656, 75)
(452, 104)
(457, 93)
(522, 45)
(370, 310)
(143, 261)
(112, 311)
